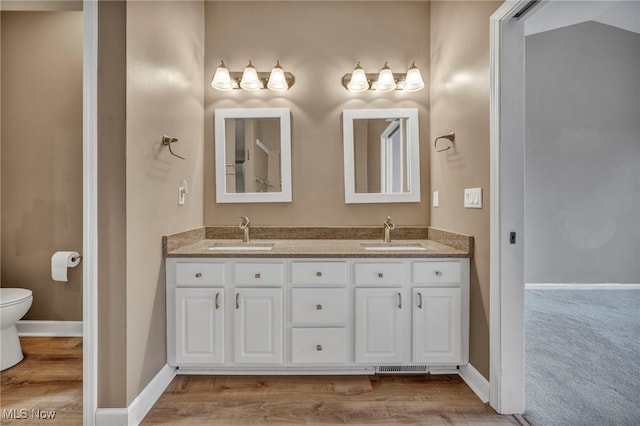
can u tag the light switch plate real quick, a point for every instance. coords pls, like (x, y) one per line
(473, 198)
(436, 199)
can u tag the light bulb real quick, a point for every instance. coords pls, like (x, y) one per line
(221, 79)
(358, 82)
(386, 82)
(277, 80)
(250, 80)
(413, 82)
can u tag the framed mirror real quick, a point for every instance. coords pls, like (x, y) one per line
(381, 155)
(253, 155)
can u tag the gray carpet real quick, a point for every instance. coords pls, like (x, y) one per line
(582, 357)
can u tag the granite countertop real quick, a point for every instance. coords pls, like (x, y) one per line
(316, 243)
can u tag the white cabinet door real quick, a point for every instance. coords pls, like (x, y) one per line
(258, 326)
(437, 333)
(380, 335)
(199, 325)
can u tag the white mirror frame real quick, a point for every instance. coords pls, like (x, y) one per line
(413, 166)
(222, 196)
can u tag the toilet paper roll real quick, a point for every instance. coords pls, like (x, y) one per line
(60, 261)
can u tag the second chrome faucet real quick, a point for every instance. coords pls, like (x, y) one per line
(388, 227)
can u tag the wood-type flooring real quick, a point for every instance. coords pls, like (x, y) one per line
(46, 387)
(322, 400)
(49, 380)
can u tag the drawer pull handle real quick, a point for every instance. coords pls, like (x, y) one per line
(420, 300)
(198, 274)
(257, 275)
(318, 348)
(438, 273)
(399, 300)
(380, 275)
(318, 274)
(217, 300)
(237, 300)
(319, 307)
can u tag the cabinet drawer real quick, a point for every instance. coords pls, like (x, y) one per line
(322, 306)
(259, 273)
(436, 272)
(319, 273)
(205, 274)
(378, 273)
(318, 345)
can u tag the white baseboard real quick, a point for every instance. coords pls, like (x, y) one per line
(49, 328)
(580, 286)
(476, 381)
(141, 405)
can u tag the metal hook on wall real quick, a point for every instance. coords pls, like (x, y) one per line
(449, 136)
(168, 140)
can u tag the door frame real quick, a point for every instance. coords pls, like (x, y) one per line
(90, 212)
(507, 112)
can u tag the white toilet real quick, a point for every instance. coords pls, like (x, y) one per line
(14, 303)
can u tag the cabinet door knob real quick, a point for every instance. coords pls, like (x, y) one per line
(319, 307)
(237, 300)
(217, 300)
(318, 348)
(318, 274)
(198, 274)
(380, 275)
(399, 300)
(419, 300)
(438, 273)
(257, 275)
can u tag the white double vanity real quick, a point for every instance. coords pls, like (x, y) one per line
(317, 300)
(298, 308)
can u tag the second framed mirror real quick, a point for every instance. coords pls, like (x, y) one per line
(381, 155)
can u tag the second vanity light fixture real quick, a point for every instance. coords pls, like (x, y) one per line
(251, 79)
(385, 81)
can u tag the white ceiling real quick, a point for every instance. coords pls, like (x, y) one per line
(554, 14)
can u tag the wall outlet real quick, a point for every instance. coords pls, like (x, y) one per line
(183, 190)
(436, 199)
(473, 198)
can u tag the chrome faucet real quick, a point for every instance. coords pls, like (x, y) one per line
(388, 226)
(245, 226)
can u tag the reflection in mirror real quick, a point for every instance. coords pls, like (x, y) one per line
(381, 156)
(252, 148)
(253, 155)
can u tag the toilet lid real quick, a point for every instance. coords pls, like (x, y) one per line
(11, 296)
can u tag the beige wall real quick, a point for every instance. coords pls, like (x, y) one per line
(42, 157)
(318, 42)
(460, 102)
(165, 51)
(112, 217)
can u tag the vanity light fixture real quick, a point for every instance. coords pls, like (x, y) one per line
(384, 81)
(358, 81)
(251, 79)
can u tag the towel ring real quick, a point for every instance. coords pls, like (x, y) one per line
(449, 136)
(168, 140)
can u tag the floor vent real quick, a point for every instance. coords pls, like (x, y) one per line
(402, 369)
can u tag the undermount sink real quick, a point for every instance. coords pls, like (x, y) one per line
(240, 246)
(393, 246)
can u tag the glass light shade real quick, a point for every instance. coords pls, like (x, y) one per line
(386, 82)
(358, 82)
(221, 79)
(250, 80)
(277, 80)
(413, 82)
